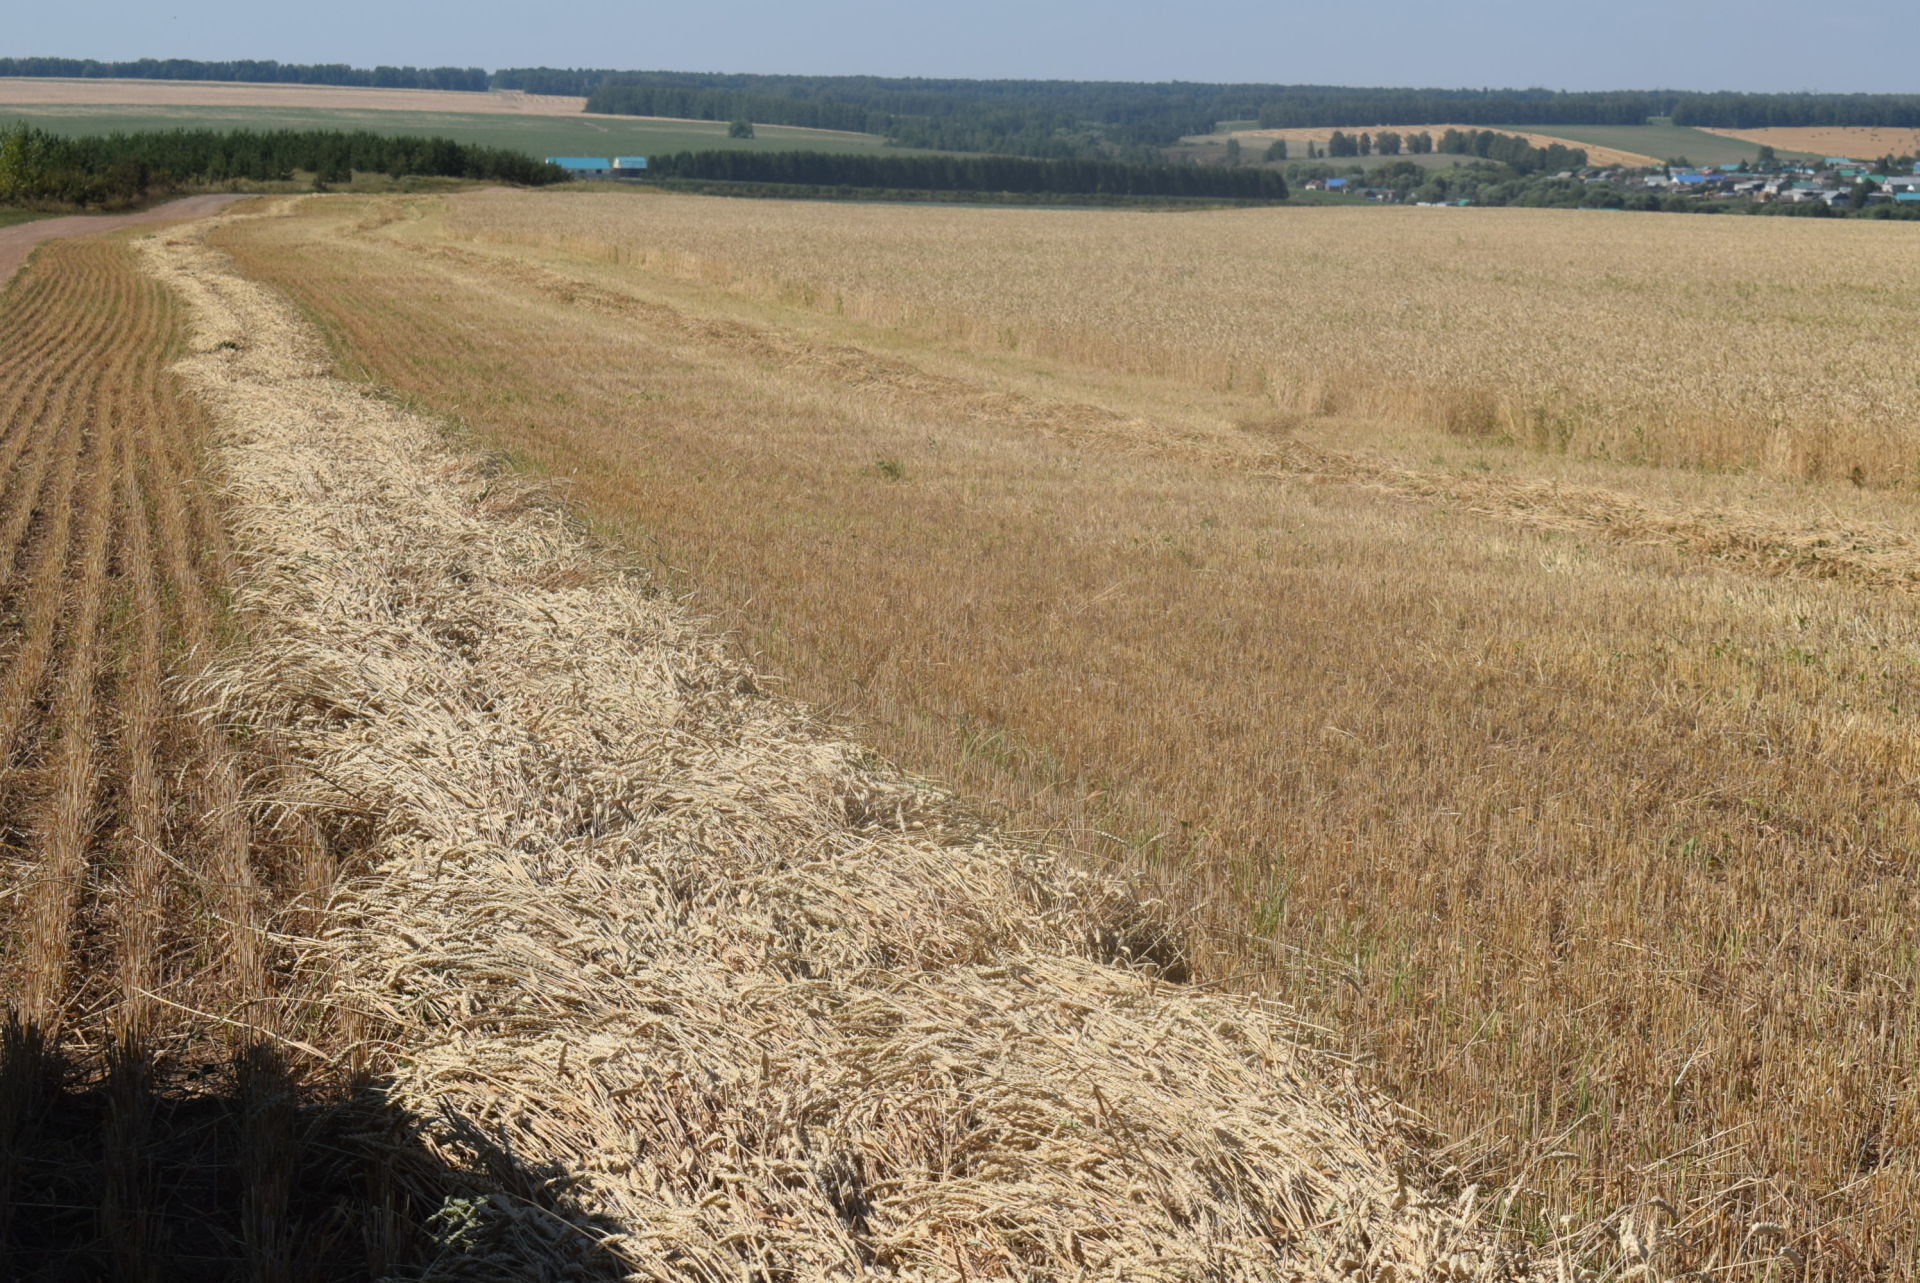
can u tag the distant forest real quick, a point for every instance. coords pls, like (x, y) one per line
(105, 171)
(1083, 118)
(1041, 118)
(1014, 174)
(1511, 150)
(254, 71)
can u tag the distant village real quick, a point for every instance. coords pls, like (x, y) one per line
(1836, 181)
(1833, 180)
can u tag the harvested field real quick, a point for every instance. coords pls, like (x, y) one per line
(743, 1002)
(33, 91)
(1862, 142)
(143, 1083)
(1569, 793)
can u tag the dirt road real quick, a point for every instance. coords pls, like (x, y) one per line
(16, 243)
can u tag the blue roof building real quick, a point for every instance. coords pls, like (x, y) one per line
(629, 162)
(582, 166)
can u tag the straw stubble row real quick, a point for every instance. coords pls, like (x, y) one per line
(131, 897)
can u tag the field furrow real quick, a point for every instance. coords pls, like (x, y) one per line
(65, 822)
(39, 391)
(26, 504)
(34, 602)
(39, 395)
(139, 906)
(35, 347)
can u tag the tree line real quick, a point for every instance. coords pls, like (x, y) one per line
(1510, 150)
(1303, 107)
(1013, 174)
(1091, 118)
(1058, 118)
(1311, 106)
(1759, 111)
(254, 71)
(1047, 119)
(113, 170)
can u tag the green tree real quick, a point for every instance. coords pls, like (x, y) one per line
(24, 155)
(1766, 159)
(740, 129)
(1278, 150)
(1233, 151)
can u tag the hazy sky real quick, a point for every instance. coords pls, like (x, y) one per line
(1863, 45)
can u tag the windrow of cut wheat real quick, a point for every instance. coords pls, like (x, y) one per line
(1771, 344)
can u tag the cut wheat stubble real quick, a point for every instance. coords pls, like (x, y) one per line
(135, 885)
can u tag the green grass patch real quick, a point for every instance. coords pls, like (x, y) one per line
(581, 135)
(13, 217)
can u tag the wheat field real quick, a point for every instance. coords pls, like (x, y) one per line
(1863, 142)
(1562, 776)
(688, 988)
(1728, 344)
